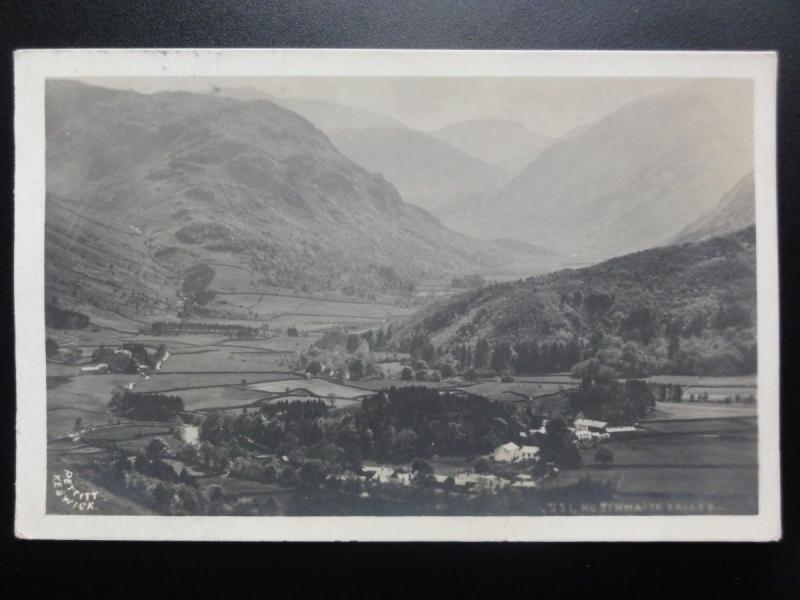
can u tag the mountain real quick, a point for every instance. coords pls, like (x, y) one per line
(498, 142)
(631, 181)
(426, 171)
(333, 118)
(735, 210)
(687, 309)
(149, 196)
(243, 93)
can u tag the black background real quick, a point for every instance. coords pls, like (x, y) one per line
(411, 570)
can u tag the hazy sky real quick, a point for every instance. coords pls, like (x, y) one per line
(546, 105)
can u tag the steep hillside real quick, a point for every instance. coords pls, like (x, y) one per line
(687, 309)
(631, 181)
(498, 142)
(426, 171)
(735, 210)
(150, 192)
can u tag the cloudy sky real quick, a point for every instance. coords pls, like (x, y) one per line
(546, 105)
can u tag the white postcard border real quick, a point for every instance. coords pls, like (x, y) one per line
(32, 67)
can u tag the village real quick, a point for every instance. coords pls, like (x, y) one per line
(520, 463)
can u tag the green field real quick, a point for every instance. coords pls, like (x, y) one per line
(697, 410)
(181, 381)
(692, 380)
(119, 433)
(318, 387)
(220, 358)
(517, 390)
(61, 421)
(372, 385)
(698, 463)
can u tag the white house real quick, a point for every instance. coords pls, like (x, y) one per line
(95, 369)
(404, 478)
(587, 430)
(478, 481)
(506, 453)
(379, 474)
(524, 484)
(529, 453)
(590, 425)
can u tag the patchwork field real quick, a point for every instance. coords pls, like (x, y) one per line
(713, 461)
(379, 384)
(181, 381)
(517, 391)
(318, 387)
(219, 358)
(684, 410)
(691, 380)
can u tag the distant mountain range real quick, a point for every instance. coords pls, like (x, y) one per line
(633, 180)
(689, 308)
(148, 192)
(501, 143)
(425, 170)
(735, 210)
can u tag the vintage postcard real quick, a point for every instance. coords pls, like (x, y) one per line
(396, 295)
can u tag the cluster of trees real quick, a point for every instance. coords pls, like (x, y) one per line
(343, 355)
(390, 280)
(145, 406)
(368, 341)
(144, 477)
(196, 327)
(129, 357)
(62, 318)
(399, 424)
(613, 401)
(522, 357)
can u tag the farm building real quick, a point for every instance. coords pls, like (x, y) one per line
(524, 484)
(590, 425)
(98, 369)
(529, 453)
(506, 453)
(379, 474)
(480, 482)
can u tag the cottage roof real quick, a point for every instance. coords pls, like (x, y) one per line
(532, 449)
(591, 423)
(510, 446)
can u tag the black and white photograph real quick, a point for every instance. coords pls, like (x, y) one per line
(394, 284)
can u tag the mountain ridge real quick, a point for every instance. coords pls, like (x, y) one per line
(630, 181)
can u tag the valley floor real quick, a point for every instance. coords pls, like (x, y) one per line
(686, 458)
